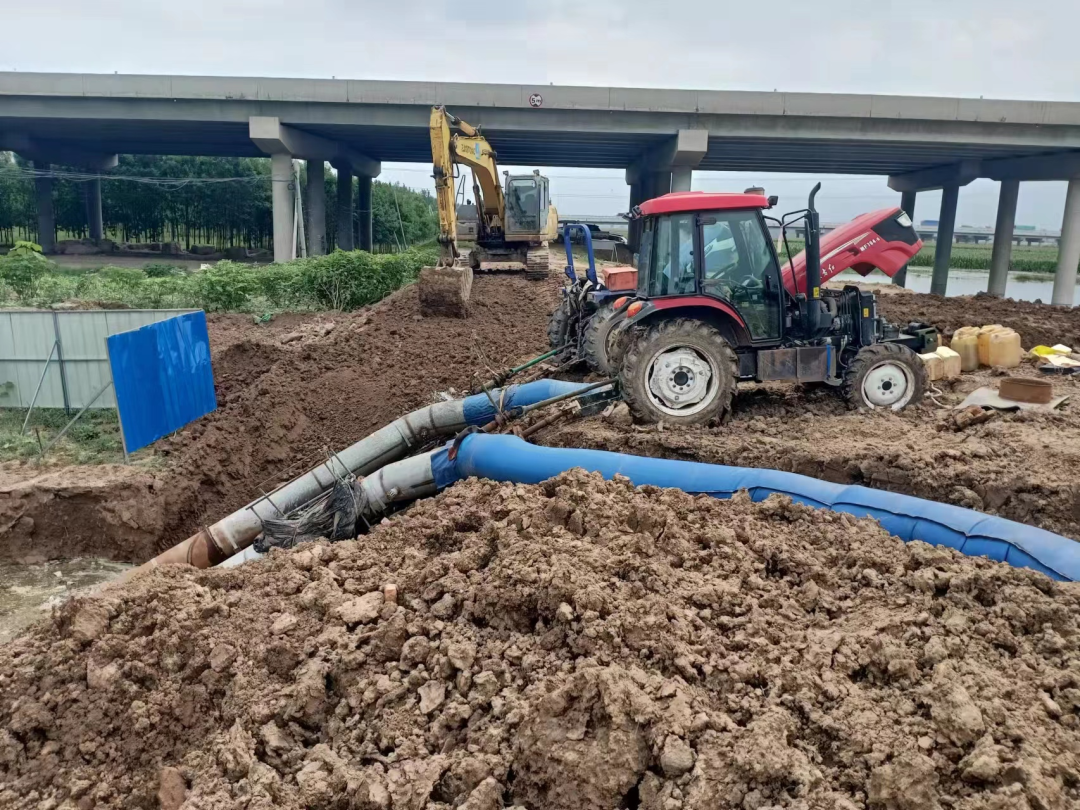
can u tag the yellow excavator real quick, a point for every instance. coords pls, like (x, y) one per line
(514, 224)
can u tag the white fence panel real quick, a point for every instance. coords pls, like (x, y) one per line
(28, 336)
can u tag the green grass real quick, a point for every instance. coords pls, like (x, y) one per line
(94, 439)
(340, 281)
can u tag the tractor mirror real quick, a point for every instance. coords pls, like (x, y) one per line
(773, 200)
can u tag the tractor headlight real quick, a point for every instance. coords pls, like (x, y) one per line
(904, 220)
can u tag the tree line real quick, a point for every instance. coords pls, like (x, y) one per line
(237, 211)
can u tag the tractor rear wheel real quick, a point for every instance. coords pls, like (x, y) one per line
(680, 372)
(597, 344)
(559, 323)
(885, 376)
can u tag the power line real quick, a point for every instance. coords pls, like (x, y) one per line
(168, 183)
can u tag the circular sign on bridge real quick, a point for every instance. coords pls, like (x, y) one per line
(536, 100)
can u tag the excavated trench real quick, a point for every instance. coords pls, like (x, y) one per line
(290, 390)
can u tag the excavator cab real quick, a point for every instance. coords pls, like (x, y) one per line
(527, 206)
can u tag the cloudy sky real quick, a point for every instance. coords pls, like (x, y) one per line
(989, 48)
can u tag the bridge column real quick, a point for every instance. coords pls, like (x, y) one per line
(681, 177)
(283, 188)
(344, 208)
(93, 209)
(43, 189)
(363, 210)
(1068, 248)
(283, 143)
(316, 207)
(950, 195)
(907, 205)
(633, 235)
(657, 184)
(1003, 237)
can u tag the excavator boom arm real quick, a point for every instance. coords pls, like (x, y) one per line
(468, 148)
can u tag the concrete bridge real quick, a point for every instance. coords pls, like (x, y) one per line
(658, 136)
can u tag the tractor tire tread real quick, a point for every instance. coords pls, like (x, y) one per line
(594, 343)
(559, 323)
(645, 344)
(869, 356)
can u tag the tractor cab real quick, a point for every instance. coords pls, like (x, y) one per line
(714, 304)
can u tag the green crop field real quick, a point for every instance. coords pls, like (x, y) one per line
(1025, 258)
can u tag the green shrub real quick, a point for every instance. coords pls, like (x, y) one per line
(340, 281)
(52, 289)
(225, 286)
(159, 270)
(23, 268)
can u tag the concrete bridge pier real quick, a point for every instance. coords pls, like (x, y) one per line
(43, 191)
(1068, 248)
(1003, 232)
(283, 143)
(316, 208)
(681, 177)
(363, 209)
(950, 195)
(344, 237)
(282, 196)
(907, 205)
(92, 192)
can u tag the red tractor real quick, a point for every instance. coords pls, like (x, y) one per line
(710, 304)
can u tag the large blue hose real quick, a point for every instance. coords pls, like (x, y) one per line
(479, 409)
(508, 458)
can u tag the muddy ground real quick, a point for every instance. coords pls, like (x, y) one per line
(300, 384)
(578, 644)
(287, 392)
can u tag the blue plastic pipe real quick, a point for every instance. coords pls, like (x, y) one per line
(508, 458)
(479, 409)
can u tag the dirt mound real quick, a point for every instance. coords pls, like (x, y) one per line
(287, 390)
(1021, 466)
(577, 644)
(1036, 323)
(333, 390)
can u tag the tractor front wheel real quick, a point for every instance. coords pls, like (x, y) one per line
(680, 372)
(885, 376)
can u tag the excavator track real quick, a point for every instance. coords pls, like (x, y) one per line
(538, 263)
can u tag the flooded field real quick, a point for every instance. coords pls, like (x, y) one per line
(27, 592)
(1021, 286)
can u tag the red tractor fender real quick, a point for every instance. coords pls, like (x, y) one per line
(716, 313)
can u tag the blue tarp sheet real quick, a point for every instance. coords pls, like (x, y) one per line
(162, 376)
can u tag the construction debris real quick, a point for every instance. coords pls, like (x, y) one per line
(592, 646)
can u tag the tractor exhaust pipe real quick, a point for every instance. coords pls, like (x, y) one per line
(813, 264)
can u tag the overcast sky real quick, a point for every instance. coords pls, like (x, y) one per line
(989, 48)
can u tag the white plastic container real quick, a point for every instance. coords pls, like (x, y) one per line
(934, 365)
(965, 342)
(950, 363)
(1004, 349)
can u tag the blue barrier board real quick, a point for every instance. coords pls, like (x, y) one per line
(162, 377)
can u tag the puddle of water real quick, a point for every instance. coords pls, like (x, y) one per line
(968, 282)
(29, 592)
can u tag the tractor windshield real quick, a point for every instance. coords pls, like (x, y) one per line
(667, 257)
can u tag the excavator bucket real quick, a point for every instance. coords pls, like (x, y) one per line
(444, 290)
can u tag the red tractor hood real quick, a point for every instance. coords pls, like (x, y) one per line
(874, 241)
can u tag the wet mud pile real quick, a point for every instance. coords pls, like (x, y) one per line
(578, 644)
